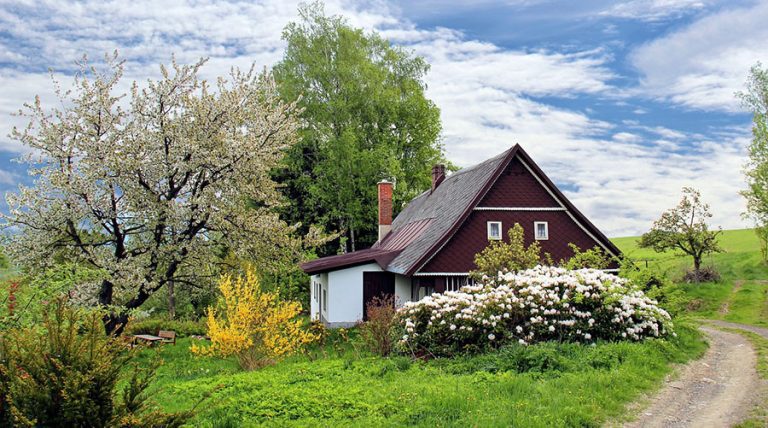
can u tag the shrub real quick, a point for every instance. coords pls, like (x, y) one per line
(154, 325)
(594, 258)
(65, 373)
(540, 304)
(705, 274)
(655, 284)
(377, 331)
(254, 325)
(502, 257)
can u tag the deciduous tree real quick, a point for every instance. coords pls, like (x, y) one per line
(366, 118)
(756, 170)
(684, 228)
(148, 186)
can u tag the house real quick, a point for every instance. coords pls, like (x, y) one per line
(430, 246)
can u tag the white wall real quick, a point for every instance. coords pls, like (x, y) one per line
(314, 296)
(402, 289)
(345, 293)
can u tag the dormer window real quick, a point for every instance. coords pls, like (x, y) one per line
(494, 230)
(542, 230)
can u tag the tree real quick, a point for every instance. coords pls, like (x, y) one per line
(684, 228)
(756, 170)
(366, 118)
(152, 186)
(512, 256)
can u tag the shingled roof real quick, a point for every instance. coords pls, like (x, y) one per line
(433, 217)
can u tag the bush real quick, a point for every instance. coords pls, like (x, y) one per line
(377, 331)
(66, 373)
(154, 325)
(502, 257)
(705, 274)
(540, 304)
(254, 325)
(594, 258)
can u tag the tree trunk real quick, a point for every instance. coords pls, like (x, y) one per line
(114, 323)
(352, 237)
(697, 267)
(171, 300)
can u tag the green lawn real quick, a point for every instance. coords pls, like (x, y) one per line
(741, 294)
(541, 385)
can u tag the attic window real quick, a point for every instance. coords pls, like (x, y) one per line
(494, 230)
(542, 230)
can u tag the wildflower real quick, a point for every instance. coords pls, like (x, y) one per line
(491, 337)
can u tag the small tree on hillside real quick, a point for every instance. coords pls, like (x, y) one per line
(512, 256)
(148, 187)
(684, 228)
(756, 170)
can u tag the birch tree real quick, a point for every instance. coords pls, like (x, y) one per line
(148, 185)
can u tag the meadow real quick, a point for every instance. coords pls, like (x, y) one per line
(553, 384)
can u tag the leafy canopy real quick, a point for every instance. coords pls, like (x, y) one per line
(366, 118)
(756, 169)
(684, 228)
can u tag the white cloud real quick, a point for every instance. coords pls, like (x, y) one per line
(624, 173)
(703, 64)
(653, 10)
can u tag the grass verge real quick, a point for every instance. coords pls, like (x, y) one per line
(553, 384)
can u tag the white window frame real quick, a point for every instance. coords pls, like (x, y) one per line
(325, 300)
(494, 238)
(536, 231)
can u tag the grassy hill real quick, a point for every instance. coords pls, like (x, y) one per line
(742, 293)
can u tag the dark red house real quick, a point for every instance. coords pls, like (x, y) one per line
(430, 246)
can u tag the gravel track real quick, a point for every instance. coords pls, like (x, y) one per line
(718, 390)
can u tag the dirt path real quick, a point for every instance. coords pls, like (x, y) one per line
(719, 390)
(762, 331)
(736, 287)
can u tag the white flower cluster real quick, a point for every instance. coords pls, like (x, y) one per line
(544, 303)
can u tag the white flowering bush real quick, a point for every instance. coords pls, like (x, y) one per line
(539, 304)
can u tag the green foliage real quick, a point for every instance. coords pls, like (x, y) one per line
(684, 228)
(655, 284)
(550, 384)
(756, 171)
(23, 300)
(501, 257)
(366, 119)
(762, 235)
(594, 258)
(153, 325)
(66, 373)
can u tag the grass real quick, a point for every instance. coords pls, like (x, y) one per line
(540, 385)
(742, 293)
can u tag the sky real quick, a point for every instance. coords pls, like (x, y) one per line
(622, 103)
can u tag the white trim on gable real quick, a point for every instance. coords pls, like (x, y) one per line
(519, 209)
(566, 211)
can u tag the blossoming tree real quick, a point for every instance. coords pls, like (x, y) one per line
(146, 186)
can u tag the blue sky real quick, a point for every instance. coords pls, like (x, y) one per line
(621, 103)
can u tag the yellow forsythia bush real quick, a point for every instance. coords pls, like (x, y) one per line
(253, 324)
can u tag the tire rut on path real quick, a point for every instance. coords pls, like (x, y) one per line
(719, 390)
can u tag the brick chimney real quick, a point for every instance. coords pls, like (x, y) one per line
(385, 208)
(438, 175)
